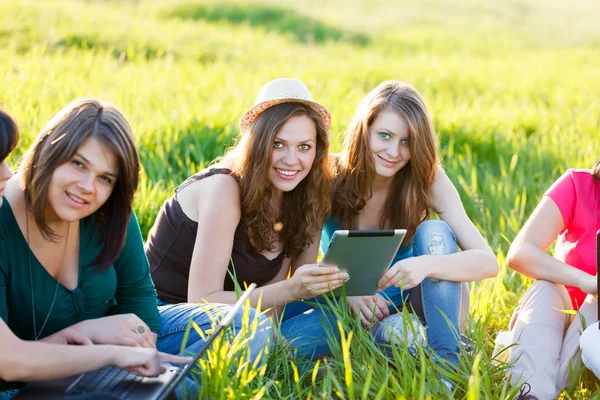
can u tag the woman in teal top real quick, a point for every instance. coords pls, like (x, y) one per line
(22, 360)
(72, 250)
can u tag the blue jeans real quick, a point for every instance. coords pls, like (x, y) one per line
(175, 318)
(436, 302)
(307, 327)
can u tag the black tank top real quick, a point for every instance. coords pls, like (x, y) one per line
(171, 243)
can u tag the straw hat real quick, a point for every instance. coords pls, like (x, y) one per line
(283, 90)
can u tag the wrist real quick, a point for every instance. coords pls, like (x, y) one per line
(428, 264)
(113, 354)
(289, 290)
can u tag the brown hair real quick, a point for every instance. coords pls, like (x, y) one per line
(407, 204)
(9, 135)
(58, 142)
(304, 208)
(596, 171)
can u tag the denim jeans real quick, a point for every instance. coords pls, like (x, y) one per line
(307, 327)
(174, 320)
(436, 302)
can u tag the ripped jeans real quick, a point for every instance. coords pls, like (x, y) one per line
(304, 326)
(436, 302)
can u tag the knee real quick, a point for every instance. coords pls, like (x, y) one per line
(256, 322)
(548, 294)
(443, 288)
(435, 237)
(257, 328)
(262, 328)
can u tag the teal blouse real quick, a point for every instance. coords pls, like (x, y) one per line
(126, 287)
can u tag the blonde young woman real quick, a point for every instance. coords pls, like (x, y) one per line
(50, 358)
(388, 176)
(253, 216)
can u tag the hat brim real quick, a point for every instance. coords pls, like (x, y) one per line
(255, 111)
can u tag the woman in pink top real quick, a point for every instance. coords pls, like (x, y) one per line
(547, 339)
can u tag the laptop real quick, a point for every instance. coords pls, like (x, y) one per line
(115, 383)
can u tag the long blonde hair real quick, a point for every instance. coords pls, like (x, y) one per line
(407, 204)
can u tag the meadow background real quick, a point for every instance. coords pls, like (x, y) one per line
(513, 88)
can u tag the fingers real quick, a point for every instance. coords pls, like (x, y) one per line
(308, 279)
(382, 307)
(386, 279)
(79, 339)
(172, 359)
(324, 287)
(408, 285)
(366, 311)
(392, 278)
(138, 331)
(364, 320)
(323, 269)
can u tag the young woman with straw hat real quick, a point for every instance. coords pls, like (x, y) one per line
(255, 215)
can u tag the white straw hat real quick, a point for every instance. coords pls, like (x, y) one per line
(283, 90)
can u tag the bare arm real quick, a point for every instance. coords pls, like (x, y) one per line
(25, 361)
(476, 260)
(219, 216)
(527, 254)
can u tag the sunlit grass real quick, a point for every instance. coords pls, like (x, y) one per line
(512, 87)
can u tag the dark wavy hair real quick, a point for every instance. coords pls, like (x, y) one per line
(407, 203)
(596, 171)
(9, 134)
(304, 207)
(58, 142)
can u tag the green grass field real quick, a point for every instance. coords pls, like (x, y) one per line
(513, 88)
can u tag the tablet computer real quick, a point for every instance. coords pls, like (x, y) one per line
(365, 255)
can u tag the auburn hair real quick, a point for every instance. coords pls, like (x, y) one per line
(304, 208)
(407, 203)
(58, 142)
(596, 171)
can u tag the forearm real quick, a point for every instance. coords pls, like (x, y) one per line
(33, 361)
(464, 266)
(534, 263)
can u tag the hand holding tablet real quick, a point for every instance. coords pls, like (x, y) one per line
(311, 280)
(365, 255)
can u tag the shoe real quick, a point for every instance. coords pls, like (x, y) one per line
(525, 393)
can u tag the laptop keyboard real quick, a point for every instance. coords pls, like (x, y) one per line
(113, 380)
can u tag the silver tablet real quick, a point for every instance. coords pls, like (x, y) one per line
(365, 255)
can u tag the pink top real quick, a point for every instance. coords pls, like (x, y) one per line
(577, 195)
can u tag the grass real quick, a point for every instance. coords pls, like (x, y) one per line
(512, 86)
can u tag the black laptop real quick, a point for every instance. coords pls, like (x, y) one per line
(116, 383)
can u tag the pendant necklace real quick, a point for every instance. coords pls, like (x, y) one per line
(36, 334)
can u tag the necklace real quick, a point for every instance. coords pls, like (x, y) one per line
(36, 334)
